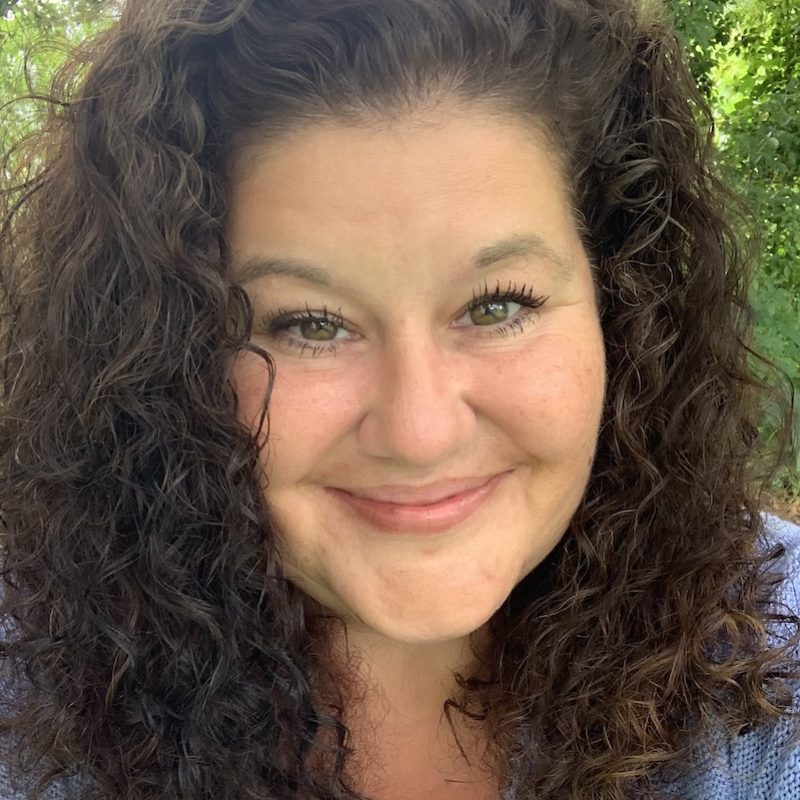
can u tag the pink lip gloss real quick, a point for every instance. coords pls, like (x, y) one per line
(431, 518)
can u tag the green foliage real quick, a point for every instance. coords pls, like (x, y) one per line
(35, 37)
(703, 25)
(745, 54)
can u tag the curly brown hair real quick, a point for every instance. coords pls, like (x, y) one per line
(151, 640)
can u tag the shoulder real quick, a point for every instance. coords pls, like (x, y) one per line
(787, 595)
(14, 787)
(780, 531)
(763, 764)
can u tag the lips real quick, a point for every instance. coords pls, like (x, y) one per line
(420, 495)
(430, 509)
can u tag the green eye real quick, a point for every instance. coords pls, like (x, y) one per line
(318, 330)
(490, 313)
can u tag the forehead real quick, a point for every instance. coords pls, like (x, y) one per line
(401, 150)
(444, 170)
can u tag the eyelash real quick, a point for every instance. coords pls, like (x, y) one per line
(277, 323)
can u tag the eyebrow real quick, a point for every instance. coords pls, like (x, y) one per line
(516, 246)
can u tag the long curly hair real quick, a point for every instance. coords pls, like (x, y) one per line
(152, 645)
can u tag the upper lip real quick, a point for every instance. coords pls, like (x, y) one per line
(419, 495)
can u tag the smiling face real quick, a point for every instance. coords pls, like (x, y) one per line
(439, 363)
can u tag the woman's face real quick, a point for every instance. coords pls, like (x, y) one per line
(440, 373)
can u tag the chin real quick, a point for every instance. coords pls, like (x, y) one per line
(433, 624)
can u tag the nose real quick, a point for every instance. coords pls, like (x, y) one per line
(418, 411)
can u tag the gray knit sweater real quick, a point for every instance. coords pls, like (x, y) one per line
(760, 765)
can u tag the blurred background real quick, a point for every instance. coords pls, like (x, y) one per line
(745, 56)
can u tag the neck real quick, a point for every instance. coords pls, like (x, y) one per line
(393, 694)
(400, 709)
(404, 680)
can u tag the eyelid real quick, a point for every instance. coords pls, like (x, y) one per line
(284, 318)
(523, 295)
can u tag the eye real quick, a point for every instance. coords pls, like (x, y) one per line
(317, 329)
(501, 308)
(308, 332)
(490, 313)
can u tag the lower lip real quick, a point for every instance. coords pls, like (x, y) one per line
(433, 518)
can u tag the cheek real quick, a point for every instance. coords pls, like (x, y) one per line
(550, 396)
(309, 410)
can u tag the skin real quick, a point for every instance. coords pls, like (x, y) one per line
(417, 390)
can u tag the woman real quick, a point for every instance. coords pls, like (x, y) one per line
(499, 535)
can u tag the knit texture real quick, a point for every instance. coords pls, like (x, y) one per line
(759, 765)
(762, 764)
